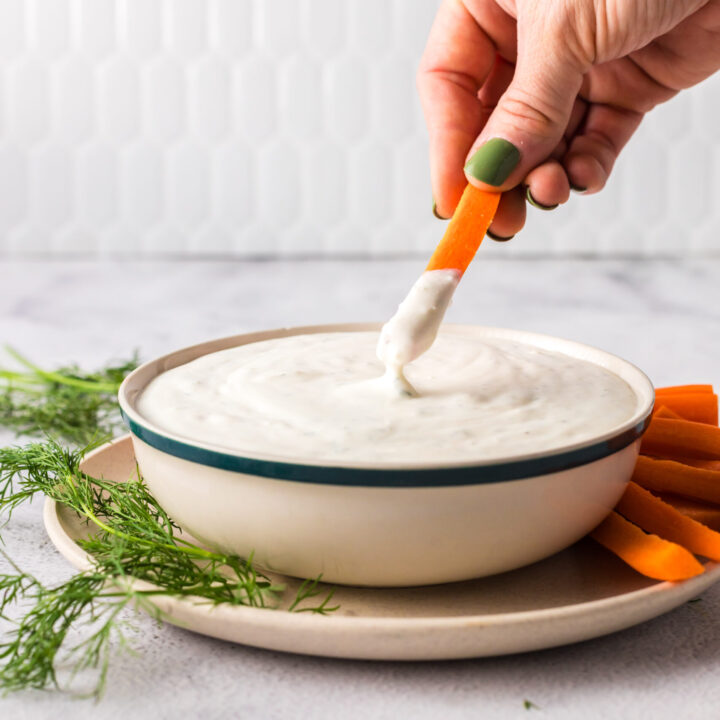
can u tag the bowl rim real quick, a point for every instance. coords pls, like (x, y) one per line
(390, 474)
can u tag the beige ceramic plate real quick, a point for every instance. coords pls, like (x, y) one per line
(581, 593)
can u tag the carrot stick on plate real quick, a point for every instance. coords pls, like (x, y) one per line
(667, 437)
(655, 516)
(697, 407)
(665, 412)
(673, 477)
(648, 554)
(703, 512)
(684, 389)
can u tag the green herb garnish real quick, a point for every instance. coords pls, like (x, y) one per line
(530, 705)
(67, 403)
(76, 624)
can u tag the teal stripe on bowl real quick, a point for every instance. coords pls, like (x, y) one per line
(390, 478)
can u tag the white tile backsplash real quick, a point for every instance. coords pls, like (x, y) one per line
(281, 127)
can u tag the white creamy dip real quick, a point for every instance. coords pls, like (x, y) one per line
(322, 397)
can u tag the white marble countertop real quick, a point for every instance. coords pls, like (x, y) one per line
(663, 316)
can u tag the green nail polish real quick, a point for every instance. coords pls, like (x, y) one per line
(499, 238)
(577, 188)
(493, 161)
(435, 212)
(536, 204)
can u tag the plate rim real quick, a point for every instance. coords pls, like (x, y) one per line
(77, 557)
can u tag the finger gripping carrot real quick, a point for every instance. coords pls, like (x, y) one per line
(648, 554)
(674, 477)
(466, 230)
(655, 516)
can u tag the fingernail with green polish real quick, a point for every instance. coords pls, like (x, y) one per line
(498, 238)
(493, 161)
(577, 188)
(436, 213)
(537, 204)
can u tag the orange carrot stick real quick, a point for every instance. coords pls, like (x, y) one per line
(697, 407)
(684, 389)
(667, 437)
(466, 230)
(699, 463)
(668, 476)
(702, 512)
(648, 554)
(655, 516)
(665, 412)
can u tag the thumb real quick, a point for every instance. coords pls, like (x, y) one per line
(530, 117)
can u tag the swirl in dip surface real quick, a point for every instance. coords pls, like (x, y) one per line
(323, 397)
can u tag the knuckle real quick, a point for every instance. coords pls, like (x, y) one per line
(529, 113)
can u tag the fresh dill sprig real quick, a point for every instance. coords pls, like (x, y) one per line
(67, 403)
(132, 538)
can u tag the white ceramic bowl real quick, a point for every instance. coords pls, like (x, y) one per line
(387, 524)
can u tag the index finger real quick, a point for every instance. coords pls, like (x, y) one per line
(457, 61)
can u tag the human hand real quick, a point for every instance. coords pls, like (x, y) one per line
(557, 87)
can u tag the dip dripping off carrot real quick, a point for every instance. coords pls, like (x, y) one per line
(648, 554)
(667, 437)
(466, 230)
(696, 407)
(655, 516)
(673, 477)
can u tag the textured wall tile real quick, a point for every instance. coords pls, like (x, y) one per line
(187, 24)
(370, 184)
(48, 27)
(279, 192)
(210, 240)
(96, 23)
(301, 100)
(393, 99)
(188, 183)
(13, 29)
(324, 25)
(412, 191)
(209, 99)
(255, 97)
(97, 185)
(277, 27)
(72, 241)
(13, 188)
(370, 27)
(231, 26)
(28, 101)
(348, 99)
(164, 99)
(142, 186)
(73, 100)
(326, 183)
(141, 30)
(708, 108)
(282, 126)
(51, 181)
(118, 100)
(233, 179)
